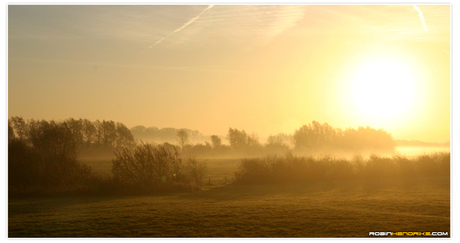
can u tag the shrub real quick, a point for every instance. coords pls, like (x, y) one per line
(436, 164)
(379, 167)
(407, 167)
(148, 167)
(255, 170)
(340, 169)
(273, 169)
(196, 171)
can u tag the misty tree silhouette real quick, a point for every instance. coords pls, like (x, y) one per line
(182, 137)
(323, 136)
(216, 141)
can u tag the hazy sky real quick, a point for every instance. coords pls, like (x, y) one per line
(262, 68)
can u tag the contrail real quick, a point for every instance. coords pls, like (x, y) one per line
(180, 28)
(155, 43)
(192, 20)
(422, 19)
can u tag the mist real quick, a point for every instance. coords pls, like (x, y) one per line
(229, 121)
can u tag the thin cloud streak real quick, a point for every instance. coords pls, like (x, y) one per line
(180, 28)
(155, 43)
(422, 19)
(192, 20)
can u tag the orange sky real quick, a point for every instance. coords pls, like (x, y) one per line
(262, 68)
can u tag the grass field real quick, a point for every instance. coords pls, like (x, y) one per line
(323, 209)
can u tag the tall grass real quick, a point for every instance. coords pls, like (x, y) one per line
(290, 168)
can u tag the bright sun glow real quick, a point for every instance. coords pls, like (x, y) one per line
(383, 89)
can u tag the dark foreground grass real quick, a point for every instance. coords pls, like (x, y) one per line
(323, 209)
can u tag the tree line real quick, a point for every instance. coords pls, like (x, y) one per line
(314, 138)
(90, 138)
(317, 136)
(44, 155)
(168, 134)
(43, 158)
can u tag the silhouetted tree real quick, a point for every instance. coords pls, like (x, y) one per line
(109, 135)
(89, 133)
(19, 127)
(322, 136)
(124, 136)
(11, 135)
(276, 145)
(237, 139)
(76, 127)
(43, 154)
(368, 138)
(182, 137)
(53, 139)
(106, 133)
(56, 146)
(216, 141)
(315, 135)
(243, 143)
(272, 139)
(253, 140)
(169, 134)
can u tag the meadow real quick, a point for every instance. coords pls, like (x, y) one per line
(251, 121)
(342, 208)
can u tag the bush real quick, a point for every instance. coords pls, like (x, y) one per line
(255, 170)
(148, 167)
(379, 167)
(196, 171)
(273, 169)
(436, 164)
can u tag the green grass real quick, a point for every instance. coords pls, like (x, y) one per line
(323, 209)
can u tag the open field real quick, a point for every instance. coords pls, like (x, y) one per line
(229, 120)
(322, 209)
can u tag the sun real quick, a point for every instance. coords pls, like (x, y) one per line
(383, 89)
